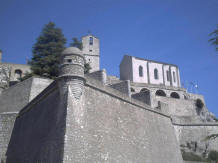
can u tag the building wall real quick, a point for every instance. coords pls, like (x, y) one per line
(136, 78)
(13, 67)
(152, 67)
(126, 68)
(92, 52)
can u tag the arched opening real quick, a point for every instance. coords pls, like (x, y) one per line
(160, 93)
(144, 90)
(199, 106)
(132, 89)
(174, 95)
(156, 74)
(140, 71)
(18, 74)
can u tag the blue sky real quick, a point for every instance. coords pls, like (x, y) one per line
(173, 31)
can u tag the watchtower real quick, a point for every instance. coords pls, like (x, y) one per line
(91, 51)
(72, 72)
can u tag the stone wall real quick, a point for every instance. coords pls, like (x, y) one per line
(38, 135)
(187, 133)
(118, 130)
(123, 87)
(6, 127)
(17, 96)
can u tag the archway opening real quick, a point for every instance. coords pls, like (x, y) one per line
(174, 95)
(160, 93)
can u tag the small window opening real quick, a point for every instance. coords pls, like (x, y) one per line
(174, 77)
(90, 40)
(140, 71)
(156, 74)
(168, 75)
(90, 50)
(69, 60)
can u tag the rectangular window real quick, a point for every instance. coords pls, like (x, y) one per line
(168, 75)
(90, 40)
(174, 77)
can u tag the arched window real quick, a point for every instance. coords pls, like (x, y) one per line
(17, 74)
(90, 40)
(160, 93)
(174, 95)
(140, 71)
(174, 77)
(132, 89)
(155, 73)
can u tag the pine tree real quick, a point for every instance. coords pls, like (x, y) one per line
(47, 50)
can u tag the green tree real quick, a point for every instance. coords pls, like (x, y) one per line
(214, 38)
(77, 43)
(47, 50)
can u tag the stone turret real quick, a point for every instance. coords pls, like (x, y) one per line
(71, 73)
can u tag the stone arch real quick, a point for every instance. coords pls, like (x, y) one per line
(17, 74)
(174, 95)
(145, 90)
(160, 93)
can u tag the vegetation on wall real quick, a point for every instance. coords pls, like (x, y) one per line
(214, 38)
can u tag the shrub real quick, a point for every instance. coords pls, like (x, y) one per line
(190, 156)
(213, 155)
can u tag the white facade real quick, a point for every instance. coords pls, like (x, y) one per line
(91, 50)
(150, 72)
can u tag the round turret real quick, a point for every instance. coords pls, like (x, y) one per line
(71, 75)
(72, 63)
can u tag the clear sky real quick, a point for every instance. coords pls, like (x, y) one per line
(173, 31)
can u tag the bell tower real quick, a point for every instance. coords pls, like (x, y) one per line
(91, 51)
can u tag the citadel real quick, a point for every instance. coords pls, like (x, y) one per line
(143, 116)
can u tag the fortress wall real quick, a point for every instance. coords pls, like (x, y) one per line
(178, 107)
(15, 97)
(143, 96)
(119, 131)
(98, 75)
(6, 127)
(38, 85)
(197, 133)
(38, 135)
(123, 87)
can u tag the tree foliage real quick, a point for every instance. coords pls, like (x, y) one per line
(47, 50)
(214, 38)
(77, 43)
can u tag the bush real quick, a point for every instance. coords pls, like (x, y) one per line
(190, 156)
(213, 156)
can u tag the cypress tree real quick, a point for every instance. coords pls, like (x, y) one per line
(46, 51)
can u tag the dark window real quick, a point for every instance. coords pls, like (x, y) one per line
(168, 75)
(174, 95)
(155, 73)
(69, 60)
(160, 93)
(140, 71)
(174, 77)
(90, 40)
(132, 89)
(18, 74)
(90, 50)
